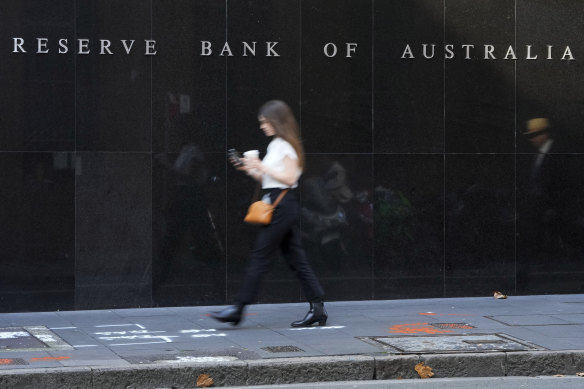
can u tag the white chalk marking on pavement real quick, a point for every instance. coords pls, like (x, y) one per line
(62, 328)
(109, 333)
(14, 334)
(130, 344)
(316, 328)
(198, 359)
(206, 335)
(133, 337)
(46, 338)
(116, 325)
(85, 345)
(140, 326)
(197, 331)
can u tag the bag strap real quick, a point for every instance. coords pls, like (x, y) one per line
(280, 197)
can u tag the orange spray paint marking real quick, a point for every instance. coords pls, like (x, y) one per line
(49, 359)
(6, 361)
(416, 328)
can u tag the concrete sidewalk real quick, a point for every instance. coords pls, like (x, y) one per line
(365, 340)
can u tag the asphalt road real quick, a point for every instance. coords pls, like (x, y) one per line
(570, 382)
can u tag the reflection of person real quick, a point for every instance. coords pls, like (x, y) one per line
(553, 192)
(186, 211)
(279, 170)
(323, 215)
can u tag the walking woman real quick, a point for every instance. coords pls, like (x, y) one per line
(278, 171)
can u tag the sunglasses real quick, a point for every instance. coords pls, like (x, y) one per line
(537, 133)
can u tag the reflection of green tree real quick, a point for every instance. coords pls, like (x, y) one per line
(394, 219)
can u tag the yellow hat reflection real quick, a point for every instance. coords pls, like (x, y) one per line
(537, 125)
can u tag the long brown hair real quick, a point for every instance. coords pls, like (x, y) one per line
(281, 117)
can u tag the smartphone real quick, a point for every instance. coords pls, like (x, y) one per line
(235, 157)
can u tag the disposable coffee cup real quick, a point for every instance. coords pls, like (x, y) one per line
(252, 154)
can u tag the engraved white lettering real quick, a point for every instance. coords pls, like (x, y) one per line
(150, 49)
(568, 53)
(408, 52)
(63, 49)
(83, 46)
(206, 48)
(425, 51)
(42, 46)
(489, 52)
(510, 52)
(468, 47)
(251, 49)
(226, 49)
(18, 42)
(105, 44)
(528, 56)
(351, 48)
(327, 51)
(128, 49)
(270, 49)
(468, 52)
(449, 54)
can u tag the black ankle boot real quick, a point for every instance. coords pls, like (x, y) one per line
(317, 313)
(232, 314)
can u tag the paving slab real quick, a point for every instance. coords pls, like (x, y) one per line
(363, 340)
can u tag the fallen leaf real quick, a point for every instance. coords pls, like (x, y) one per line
(204, 381)
(499, 295)
(558, 375)
(423, 370)
(580, 374)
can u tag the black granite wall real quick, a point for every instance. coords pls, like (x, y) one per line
(115, 190)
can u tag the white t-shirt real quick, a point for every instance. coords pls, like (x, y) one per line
(278, 149)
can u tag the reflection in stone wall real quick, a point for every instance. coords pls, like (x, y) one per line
(422, 179)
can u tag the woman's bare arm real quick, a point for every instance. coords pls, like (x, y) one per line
(288, 176)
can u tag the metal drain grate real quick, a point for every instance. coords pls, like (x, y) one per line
(283, 349)
(463, 326)
(35, 338)
(12, 361)
(19, 338)
(444, 344)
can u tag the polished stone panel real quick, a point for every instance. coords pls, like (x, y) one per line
(479, 92)
(274, 74)
(550, 227)
(337, 223)
(38, 90)
(553, 87)
(409, 225)
(420, 181)
(113, 93)
(37, 231)
(480, 224)
(188, 240)
(113, 229)
(189, 90)
(409, 92)
(336, 91)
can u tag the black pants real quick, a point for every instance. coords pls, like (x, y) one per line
(283, 234)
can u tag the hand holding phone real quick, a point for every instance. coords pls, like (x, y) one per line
(235, 157)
